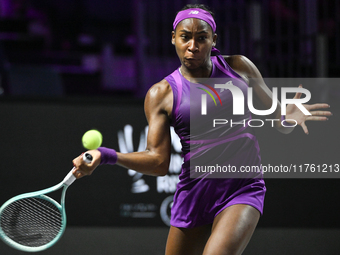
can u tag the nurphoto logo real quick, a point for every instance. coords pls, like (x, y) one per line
(239, 103)
(238, 99)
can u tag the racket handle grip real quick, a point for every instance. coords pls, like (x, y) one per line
(70, 178)
(87, 157)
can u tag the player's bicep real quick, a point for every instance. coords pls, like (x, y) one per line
(159, 131)
(158, 139)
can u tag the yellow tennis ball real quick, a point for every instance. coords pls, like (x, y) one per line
(92, 139)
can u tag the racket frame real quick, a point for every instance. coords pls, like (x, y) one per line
(68, 180)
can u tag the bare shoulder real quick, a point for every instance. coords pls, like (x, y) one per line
(236, 61)
(159, 98)
(160, 89)
(243, 66)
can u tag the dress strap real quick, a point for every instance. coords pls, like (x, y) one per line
(178, 81)
(224, 67)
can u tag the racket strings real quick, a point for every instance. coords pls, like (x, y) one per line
(31, 221)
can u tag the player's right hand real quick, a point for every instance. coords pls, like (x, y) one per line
(82, 168)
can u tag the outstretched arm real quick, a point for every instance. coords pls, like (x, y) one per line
(263, 97)
(155, 159)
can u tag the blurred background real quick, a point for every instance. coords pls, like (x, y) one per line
(103, 47)
(68, 66)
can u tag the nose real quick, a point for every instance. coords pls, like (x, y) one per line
(192, 46)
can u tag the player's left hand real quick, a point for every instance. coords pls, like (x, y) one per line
(318, 114)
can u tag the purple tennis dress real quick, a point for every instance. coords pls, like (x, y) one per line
(198, 201)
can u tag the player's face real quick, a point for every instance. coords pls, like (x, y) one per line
(193, 40)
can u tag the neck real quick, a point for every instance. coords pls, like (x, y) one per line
(201, 72)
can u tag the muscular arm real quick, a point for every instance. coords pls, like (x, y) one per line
(156, 157)
(262, 95)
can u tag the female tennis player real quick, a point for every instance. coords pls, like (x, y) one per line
(209, 215)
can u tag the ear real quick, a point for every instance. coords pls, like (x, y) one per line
(173, 37)
(214, 40)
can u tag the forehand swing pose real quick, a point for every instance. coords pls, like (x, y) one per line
(209, 216)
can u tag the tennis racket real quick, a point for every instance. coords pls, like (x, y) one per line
(32, 221)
